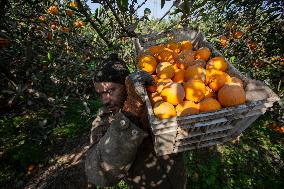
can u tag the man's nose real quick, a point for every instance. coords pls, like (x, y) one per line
(105, 99)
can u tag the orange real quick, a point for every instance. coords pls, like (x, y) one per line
(186, 45)
(201, 63)
(252, 45)
(163, 83)
(53, 25)
(176, 67)
(156, 49)
(194, 72)
(231, 95)
(53, 10)
(173, 93)
(174, 46)
(194, 90)
(224, 41)
(165, 70)
(164, 110)
(187, 108)
(209, 93)
(73, 4)
(166, 55)
(203, 53)
(238, 34)
(42, 18)
(209, 104)
(237, 81)
(184, 58)
(147, 63)
(49, 36)
(69, 12)
(218, 79)
(65, 29)
(179, 76)
(217, 63)
(154, 97)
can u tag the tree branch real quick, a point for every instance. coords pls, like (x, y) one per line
(88, 17)
(140, 6)
(130, 34)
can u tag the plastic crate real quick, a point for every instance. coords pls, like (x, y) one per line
(184, 133)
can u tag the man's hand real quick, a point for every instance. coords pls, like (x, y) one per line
(135, 86)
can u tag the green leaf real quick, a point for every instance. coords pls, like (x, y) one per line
(122, 5)
(147, 12)
(49, 55)
(162, 3)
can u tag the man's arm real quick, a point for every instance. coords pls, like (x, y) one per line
(109, 160)
(99, 125)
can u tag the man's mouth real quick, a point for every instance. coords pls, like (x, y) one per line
(112, 108)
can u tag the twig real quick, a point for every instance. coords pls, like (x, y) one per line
(140, 6)
(88, 17)
(130, 34)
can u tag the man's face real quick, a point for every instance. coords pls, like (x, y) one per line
(112, 94)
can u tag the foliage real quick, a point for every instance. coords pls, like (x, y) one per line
(48, 51)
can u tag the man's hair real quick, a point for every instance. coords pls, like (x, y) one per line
(112, 69)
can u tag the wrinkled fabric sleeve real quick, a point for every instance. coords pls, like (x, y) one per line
(108, 161)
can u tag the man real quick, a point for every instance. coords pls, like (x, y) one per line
(121, 143)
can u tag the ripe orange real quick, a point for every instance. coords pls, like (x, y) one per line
(194, 90)
(224, 41)
(218, 79)
(194, 72)
(231, 95)
(238, 34)
(147, 63)
(166, 55)
(53, 10)
(201, 63)
(163, 83)
(65, 29)
(203, 53)
(252, 45)
(173, 93)
(165, 70)
(217, 63)
(237, 81)
(209, 104)
(164, 110)
(179, 76)
(69, 12)
(186, 45)
(154, 97)
(174, 46)
(187, 108)
(73, 4)
(156, 49)
(209, 93)
(42, 18)
(79, 23)
(49, 36)
(184, 58)
(53, 25)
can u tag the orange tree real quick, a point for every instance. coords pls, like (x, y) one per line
(48, 50)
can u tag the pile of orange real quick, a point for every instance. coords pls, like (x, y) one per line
(189, 81)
